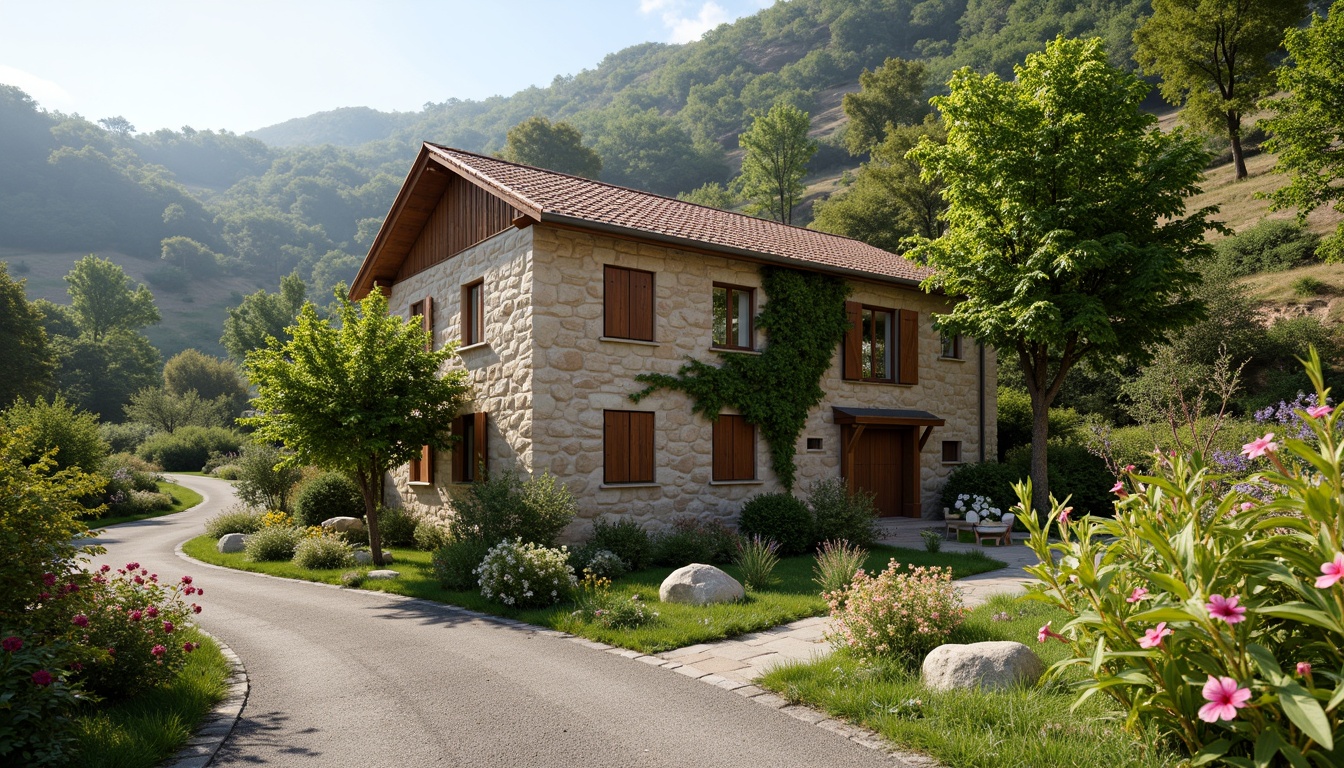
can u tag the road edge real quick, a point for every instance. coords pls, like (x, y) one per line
(218, 725)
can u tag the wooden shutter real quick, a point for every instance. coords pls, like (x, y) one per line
(459, 455)
(422, 468)
(641, 447)
(852, 359)
(908, 369)
(641, 305)
(479, 456)
(734, 449)
(627, 447)
(617, 299)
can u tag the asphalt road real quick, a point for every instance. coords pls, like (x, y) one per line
(354, 678)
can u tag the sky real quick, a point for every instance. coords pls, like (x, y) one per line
(245, 64)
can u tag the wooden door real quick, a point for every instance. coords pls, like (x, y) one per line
(882, 464)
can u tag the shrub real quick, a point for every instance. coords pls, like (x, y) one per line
(781, 517)
(273, 543)
(691, 540)
(933, 540)
(837, 562)
(57, 427)
(140, 502)
(139, 474)
(1015, 418)
(896, 615)
(187, 449)
(396, 526)
(263, 481)
(227, 472)
(429, 535)
(35, 730)
(1270, 246)
(124, 438)
(525, 575)
(992, 480)
(626, 539)
(323, 552)
(454, 564)
(218, 459)
(1308, 286)
(841, 514)
(598, 605)
(235, 519)
(353, 579)
(592, 559)
(757, 558)
(330, 494)
(504, 507)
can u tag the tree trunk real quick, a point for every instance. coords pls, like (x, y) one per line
(1234, 133)
(1040, 436)
(367, 487)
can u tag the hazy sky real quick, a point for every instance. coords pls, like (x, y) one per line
(244, 64)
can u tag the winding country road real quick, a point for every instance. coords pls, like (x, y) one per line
(353, 678)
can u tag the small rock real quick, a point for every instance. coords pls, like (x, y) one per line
(990, 666)
(382, 574)
(231, 542)
(700, 584)
(364, 557)
(342, 524)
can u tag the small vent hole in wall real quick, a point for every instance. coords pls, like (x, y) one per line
(814, 443)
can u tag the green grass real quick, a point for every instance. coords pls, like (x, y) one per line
(977, 729)
(142, 731)
(795, 597)
(183, 498)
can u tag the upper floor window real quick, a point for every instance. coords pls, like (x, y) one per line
(424, 309)
(473, 313)
(734, 314)
(628, 298)
(951, 346)
(881, 345)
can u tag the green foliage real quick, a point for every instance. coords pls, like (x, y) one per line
(503, 507)
(592, 560)
(330, 494)
(103, 300)
(1308, 286)
(264, 480)
(101, 375)
(454, 564)
(191, 257)
(804, 321)
(526, 575)
(1015, 417)
(554, 146)
(272, 543)
(23, 344)
(59, 430)
(777, 152)
(756, 559)
(990, 479)
(323, 552)
(1273, 245)
(398, 526)
(236, 519)
(429, 535)
(711, 194)
(168, 412)
(626, 539)
(889, 96)
(1308, 123)
(782, 518)
(124, 438)
(262, 316)
(36, 729)
(642, 148)
(188, 449)
(839, 514)
(691, 540)
(1074, 471)
(210, 378)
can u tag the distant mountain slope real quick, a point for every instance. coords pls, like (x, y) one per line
(344, 127)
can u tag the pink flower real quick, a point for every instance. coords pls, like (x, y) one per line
(1153, 637)
(195, 608)
(1046, 632)
(1317, 411)
(1247, 506)
(42, 678)
(11, 644)
(135, 615)
(1331, 572)
(1304, 668)
(1138, 594)
(1257, 448)
(152, 611)
(189, 591)
(158, 651)
(1129, 467)
(186, 579)
(188, 647)
(1226, 608)
(1225, 697)
(199, 591)
(80, 620)
(49, 579)
(168, 627)
(139, 580)
(132, 566)
(1119, 489)
(1064, 515)
(105, 568)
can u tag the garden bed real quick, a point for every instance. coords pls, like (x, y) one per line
(183, 499)
(795, 597)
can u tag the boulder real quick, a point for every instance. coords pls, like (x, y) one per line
(231, 542)
(364, 557)
(991, 666)
(342, 524)
(382, 574)
(700, 584)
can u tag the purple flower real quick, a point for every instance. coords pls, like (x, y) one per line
(42, 678)
(11, 644)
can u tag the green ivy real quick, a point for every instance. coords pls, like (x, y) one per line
(804, 322)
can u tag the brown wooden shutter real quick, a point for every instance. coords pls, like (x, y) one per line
(641, 447)
(479, 456)
(641, 305)
(852, 359)
(722, 463)
(616, 446)
(734, 449)
(422, 468)
(617, 299)
(459, 455)
(908, 370)
(468, 317)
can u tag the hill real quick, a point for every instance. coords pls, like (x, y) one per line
(344, 127)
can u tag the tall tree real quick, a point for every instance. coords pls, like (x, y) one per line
(1066, 232)
(100, 376)
(1307, 129)
(1216, 57)
(554, 146)
(778, 150)
(29, 361)
(360, 397)
(118, 125)
(103, 300)
(892, 94)
(262, 316)
(209, 377)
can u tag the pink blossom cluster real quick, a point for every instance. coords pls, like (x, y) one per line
(896, 614)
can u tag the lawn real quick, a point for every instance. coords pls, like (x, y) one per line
(183, 498)
(142, 731)
(975, 729)
(795, 597)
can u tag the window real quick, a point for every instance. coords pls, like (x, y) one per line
(473, 313)
(734, 449)
(734, 316)
(951, 346)
(469, 456)
(424, 309)
(951, 451)
(814, 444)
(881, 345)
(422, 469)
(627, 447)
(628, 304)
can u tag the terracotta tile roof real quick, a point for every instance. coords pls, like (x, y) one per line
(560, 197)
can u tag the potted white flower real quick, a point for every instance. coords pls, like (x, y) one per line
(981, 511)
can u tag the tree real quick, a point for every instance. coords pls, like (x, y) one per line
(554, 146)
(190, 255)
(642, 148)
(58, 431)
(209, 377)
(262, 316)
(168, 412)
(777, 149)
(1065, 233)
(1216, 57)
(264, 479)
(103, 300)
(891, 95)
(23, 344)
(359, 397)
(889, 200)
(712, 194)
(1307, 129)
(100, 376)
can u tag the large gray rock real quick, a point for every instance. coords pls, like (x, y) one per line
(342, 524)
(231, 542)
(382, 574)
(364, 556)
(700, 584)
(991, 666)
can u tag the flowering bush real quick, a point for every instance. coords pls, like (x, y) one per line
(1203, 610)
(322, 551)
(35, 701)
(598, 605)
(525, 575)
(897, 615)
(600, 562)
(277, 518)
(967, 504)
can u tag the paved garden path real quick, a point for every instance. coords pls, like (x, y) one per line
(354, 678)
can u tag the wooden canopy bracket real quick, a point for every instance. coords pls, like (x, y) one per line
(848, 456)
(924, 438)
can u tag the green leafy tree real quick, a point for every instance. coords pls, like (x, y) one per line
(101, 375)
(23, 344)
(1307, 128)
(190, 255)
(891, 95)
(57, 431)
(712, 194)
(118, 125)
(359, 397)
(1216, 57)
(778, 150)
(1065, 228)
(554, 146)
(168, 412)
(642, 148)
(103, 300)
(263, 316)
(209, 377)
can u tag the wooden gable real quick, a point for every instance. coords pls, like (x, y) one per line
(464, 216)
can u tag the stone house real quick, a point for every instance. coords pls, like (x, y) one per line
(560, 290)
